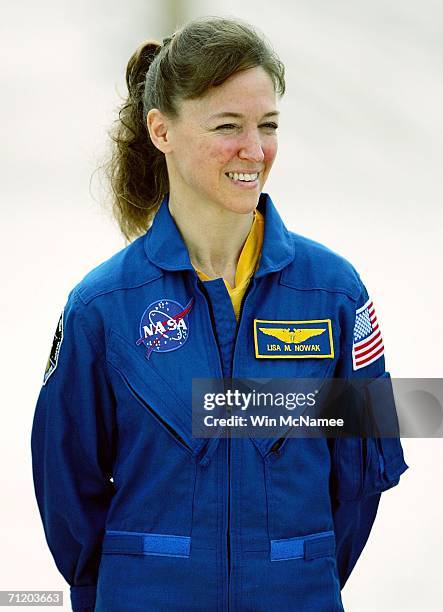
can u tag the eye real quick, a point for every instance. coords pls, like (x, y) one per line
(225, 126)
(228, 126)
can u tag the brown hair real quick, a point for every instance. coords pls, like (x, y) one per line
(201, 54)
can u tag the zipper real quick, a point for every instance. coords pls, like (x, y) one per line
(275, 448)
(228, 530)
(202, 290)
(248, 290)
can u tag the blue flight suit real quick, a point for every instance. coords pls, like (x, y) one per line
(139, 514)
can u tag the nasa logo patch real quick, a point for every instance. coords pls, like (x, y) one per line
(164, 326)
(293, 339)
(55, 350)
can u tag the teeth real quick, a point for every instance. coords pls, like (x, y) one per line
(243, 177)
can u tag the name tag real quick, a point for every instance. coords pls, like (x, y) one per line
(293, 339)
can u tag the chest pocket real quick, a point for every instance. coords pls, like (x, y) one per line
(306, 471)
(152, 391)
(156, 462)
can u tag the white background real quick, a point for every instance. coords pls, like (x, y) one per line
(359, 169)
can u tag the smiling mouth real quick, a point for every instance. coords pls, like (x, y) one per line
(243, 177)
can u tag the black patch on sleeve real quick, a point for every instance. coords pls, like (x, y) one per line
(55, 350)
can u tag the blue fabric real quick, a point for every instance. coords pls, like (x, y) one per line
(139, 514)
(311, 546)
(83, 598)
(130, 542)
(353, 521)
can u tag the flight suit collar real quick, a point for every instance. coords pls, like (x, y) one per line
(165, 247)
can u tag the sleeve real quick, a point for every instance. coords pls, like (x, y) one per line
(362, 467)
(71, 445)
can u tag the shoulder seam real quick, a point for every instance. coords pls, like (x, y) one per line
(86, 300)
(311, 247)
(353, 296)
(84, 323)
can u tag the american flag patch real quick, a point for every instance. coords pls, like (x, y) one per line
(368, 343)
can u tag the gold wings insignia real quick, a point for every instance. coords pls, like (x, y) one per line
(291, 337)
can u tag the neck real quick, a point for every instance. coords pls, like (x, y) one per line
(214, 236)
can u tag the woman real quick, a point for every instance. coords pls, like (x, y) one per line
(138, 513)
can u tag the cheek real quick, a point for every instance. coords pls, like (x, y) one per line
(270, 151)
(222, 152)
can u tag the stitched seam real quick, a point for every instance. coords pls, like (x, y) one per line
(155, 415)
(87, 300)
(327, 289)
(93, 339)
(138, 356)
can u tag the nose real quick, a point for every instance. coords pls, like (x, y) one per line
(251, 147)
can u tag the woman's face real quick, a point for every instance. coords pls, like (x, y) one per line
(230, 129)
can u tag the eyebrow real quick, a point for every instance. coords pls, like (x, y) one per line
(239, 115)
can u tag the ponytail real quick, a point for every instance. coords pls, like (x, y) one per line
(136, 169)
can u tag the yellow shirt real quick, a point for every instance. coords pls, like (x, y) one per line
(247, 262)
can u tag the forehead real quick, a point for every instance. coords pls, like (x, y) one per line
(249, 91)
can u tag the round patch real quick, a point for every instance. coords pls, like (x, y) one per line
(164, 326)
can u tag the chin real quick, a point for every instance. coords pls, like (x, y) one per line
(242, 205)
(242, 209)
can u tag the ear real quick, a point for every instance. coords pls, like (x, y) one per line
(158, 125)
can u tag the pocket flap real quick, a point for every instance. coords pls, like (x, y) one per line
(369, 465)
(391, 462)
(154, 392)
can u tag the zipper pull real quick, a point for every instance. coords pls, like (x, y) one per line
(275, 448)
